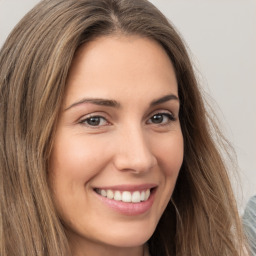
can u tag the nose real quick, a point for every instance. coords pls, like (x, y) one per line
(134, 152)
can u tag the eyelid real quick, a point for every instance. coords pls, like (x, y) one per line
(166, 113)
(82, 121)
(163, 111)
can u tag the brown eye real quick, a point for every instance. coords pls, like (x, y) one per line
(157, 119)
(161, 118)
(94, 121)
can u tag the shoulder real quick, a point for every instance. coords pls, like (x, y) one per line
(249, 223)
(250, 210)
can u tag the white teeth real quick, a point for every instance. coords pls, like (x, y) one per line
(110, 194)
(136, 197)
(142, 196)
(103, 192)
(118, 196)
(147, 194)
(125, 196)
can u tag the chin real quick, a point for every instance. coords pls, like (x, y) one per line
(131, 237)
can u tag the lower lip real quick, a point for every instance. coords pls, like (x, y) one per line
(130, 209)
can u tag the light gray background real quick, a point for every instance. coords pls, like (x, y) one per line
(221, 35)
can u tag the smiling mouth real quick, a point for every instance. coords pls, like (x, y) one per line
(125, 196)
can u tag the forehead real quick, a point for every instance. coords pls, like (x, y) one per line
(120, 65)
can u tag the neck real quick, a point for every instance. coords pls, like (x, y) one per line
(89, 249)
(100, 251)
(86, 247)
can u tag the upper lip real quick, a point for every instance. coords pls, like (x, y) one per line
(128, 187)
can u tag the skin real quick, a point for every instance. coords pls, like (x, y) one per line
(131, 143)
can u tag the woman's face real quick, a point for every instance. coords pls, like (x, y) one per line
(119, 146)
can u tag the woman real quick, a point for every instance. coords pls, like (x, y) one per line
(106, 147)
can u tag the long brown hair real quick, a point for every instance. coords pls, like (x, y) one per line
(201, 218)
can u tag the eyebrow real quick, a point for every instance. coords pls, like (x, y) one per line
(96, 101)
(115, 104)
(164, 99)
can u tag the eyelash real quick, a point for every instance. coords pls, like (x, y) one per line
(163, 115)
(86, 120)
(100, 119)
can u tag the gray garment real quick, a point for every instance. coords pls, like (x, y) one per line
(249, 223)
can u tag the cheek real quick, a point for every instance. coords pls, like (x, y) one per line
(74, 160)
(73, 165)
(170, 152)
